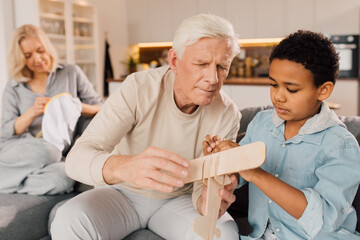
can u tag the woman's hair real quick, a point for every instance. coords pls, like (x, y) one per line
(314, 51)
(203, 25)
(15, 57)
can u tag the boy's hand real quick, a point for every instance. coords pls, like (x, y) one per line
(225, 145)
(210, 144)
(216, 144)
(250, 174)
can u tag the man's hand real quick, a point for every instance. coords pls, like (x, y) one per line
(226, 194)
(153, 168)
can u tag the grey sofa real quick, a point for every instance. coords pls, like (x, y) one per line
(26, 217)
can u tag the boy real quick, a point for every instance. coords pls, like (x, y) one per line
(306, 186)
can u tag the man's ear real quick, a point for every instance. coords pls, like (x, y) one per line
(325, 90)
(172, 60)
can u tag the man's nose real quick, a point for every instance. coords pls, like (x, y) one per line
(212, 74)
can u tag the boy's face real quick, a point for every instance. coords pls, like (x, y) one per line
(293, 92)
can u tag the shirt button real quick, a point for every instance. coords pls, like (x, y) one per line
(342, 210)
(269, 201)
(277, 230)
(283, 145)
(276, 175)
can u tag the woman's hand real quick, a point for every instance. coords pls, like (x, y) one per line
(38, 107)
(88, 110)
(24, 121)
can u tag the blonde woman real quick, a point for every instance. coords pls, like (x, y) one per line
(29, 164)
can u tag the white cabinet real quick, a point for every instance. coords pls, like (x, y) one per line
(71, 26)
(300, 15)
(337, 17)
(242, 15)
(346, 93)
(248, 95)
(270, 18)
(157, 20)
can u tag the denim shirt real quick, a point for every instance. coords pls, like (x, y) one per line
(323, 161)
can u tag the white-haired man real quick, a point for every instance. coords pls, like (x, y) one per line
(141, 140)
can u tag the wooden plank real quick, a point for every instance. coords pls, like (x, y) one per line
(229, 161)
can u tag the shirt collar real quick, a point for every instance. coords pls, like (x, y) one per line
(326, 118)
(52, 75)
(15, 83)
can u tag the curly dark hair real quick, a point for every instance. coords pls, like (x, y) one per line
(314, 51)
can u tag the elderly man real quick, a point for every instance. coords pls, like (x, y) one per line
(141, 142)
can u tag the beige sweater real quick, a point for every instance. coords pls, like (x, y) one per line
(142, 113)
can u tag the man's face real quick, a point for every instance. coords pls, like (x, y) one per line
(200, 73)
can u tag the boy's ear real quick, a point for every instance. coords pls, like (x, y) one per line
(172, 60)
(325, 90)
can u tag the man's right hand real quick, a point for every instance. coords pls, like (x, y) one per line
(153, 168)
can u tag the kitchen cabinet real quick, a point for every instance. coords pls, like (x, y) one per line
(270, 18)
(157, 20)
(215, 7)
(248, 95)
(346, 93)
(337, 17)
(242, 15)
(254, 92)
(299, 15)
(150, 21)
(71, 26)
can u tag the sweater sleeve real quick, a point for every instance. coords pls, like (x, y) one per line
(10, 111)
(85, 88)
(86, 159)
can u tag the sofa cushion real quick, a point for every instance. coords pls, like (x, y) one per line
(353, 125)
(247, 114)
(25, 216)
(143, 234)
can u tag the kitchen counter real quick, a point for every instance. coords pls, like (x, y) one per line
(261, 81)
(229, 81)
(245, 91)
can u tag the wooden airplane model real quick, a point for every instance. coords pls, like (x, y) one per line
(213, 170)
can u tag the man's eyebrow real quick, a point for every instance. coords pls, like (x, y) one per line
(200, 60)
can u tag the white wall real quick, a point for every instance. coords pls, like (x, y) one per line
(113, 20)
(157, 20)
(6, 27)
(346, 93)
